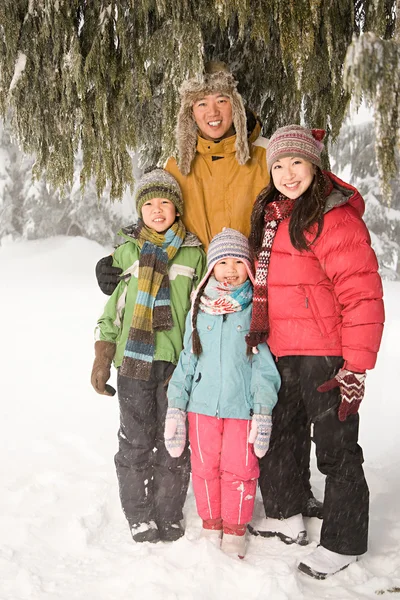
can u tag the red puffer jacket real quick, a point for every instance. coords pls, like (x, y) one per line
(328, 301)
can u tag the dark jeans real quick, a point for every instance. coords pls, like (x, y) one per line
(152, 485)
(339, 457)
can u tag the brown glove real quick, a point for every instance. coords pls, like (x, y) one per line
(104, 352)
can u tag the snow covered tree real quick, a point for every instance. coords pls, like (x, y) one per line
(103, 76)
(353, 156)
(16, 168)
(30, 208)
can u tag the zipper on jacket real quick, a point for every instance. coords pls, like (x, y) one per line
(310, 303)
(224, 316)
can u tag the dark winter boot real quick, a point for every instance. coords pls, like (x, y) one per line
(170, 532)
(145, 532)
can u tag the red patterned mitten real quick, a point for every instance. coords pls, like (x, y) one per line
(352, 389)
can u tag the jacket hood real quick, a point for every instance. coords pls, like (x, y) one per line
(186, 130)
(343, 193)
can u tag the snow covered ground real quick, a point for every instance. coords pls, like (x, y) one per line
(62, 532)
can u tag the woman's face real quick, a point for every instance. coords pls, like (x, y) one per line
(292, 176)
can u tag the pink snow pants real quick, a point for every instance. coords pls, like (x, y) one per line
(224, 468)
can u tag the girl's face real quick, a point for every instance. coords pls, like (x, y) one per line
(292, 176)
(230, 270)
(159, 214)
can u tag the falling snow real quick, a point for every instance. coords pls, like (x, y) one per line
(62, 532)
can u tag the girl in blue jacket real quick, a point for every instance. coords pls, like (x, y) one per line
(227, 392)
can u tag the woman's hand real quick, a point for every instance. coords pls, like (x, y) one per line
(352, 389)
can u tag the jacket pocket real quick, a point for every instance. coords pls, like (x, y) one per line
(205, 325)
(312, 305)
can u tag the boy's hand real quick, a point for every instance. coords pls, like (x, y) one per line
(104, 352)
(175, 431)
(260, 434)
(352, 389)
(108, 277)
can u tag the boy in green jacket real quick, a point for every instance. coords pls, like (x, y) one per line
(141, 331)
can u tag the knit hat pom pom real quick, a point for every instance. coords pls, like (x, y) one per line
(318, 134)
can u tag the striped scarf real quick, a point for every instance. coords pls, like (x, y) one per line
(152, 311)
(275, 212)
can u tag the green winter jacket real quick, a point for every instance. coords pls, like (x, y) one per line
(185, 270)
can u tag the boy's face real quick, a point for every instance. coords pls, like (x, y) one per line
(159, 214)
(213, 116)
(230, 270)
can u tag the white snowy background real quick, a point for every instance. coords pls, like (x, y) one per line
(62, 533)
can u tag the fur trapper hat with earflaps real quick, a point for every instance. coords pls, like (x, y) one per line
(216, 80)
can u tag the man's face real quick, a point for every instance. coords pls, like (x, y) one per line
(213, 116)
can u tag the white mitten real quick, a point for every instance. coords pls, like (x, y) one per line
(260, 434)
(175, 431)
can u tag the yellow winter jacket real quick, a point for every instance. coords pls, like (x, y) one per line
(218, 192)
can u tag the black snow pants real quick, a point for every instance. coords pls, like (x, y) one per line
(152, 485)
(339, 457)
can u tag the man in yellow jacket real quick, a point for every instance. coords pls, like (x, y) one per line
(221, 164)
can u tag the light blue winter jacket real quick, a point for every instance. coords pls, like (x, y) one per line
(223, 381)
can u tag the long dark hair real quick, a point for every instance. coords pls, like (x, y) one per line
(308, 212)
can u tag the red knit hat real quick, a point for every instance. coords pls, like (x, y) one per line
(295, 140)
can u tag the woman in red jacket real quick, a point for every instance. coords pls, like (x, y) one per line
(318, 304)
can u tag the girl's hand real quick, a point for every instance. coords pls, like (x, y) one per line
(175, 431)
(260, 434)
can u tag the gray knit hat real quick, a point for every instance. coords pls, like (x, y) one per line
(211, 82)
(158, 184)
(228, 244)
(295, 140)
